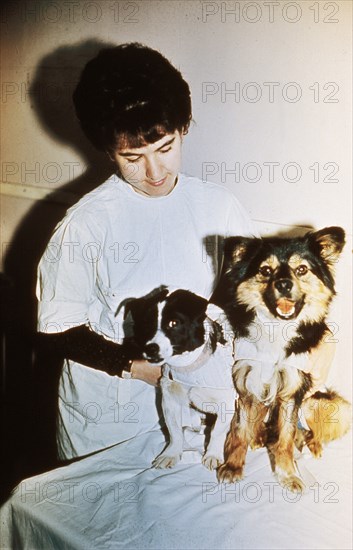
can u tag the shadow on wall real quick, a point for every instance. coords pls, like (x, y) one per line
(30, 381)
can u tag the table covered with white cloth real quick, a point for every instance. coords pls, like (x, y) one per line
(115, 499)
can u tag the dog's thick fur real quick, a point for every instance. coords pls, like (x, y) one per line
(276, 293)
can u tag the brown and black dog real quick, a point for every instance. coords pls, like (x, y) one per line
(276, 293)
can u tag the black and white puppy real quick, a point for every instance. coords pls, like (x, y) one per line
(175, 329)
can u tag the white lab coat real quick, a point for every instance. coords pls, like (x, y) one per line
(112, 245)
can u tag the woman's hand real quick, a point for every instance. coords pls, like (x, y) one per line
(148, 372)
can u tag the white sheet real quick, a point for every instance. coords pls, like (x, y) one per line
(114, 499)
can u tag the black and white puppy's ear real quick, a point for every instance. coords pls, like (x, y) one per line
(134, 309)
(328, 243)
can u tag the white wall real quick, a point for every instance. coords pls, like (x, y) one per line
(298, 51)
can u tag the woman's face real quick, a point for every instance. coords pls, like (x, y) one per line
(152, 169)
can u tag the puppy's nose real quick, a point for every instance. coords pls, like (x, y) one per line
(284, 285)
(152, 350)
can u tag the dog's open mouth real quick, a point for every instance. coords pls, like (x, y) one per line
(286, 308)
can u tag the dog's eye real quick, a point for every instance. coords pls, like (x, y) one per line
(173, 323)
(265, 271)
(301, 270)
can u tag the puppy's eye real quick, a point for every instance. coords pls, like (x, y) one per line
(265, 271)
(173, 323)
(301, 270)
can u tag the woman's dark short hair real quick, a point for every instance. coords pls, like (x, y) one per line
(131, 92)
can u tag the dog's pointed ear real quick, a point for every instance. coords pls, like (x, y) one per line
(236, 248)
(328, 243)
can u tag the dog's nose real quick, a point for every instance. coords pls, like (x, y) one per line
(152, 350)
(284, 285)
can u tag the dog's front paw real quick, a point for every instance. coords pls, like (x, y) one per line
(226, 474)
(292, 483)
(166, 461)
(211, 462)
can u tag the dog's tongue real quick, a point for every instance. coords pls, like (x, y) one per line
(285, 307)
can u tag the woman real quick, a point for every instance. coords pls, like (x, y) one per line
(147, 225)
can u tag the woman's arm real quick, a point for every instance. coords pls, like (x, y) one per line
(89, 348)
